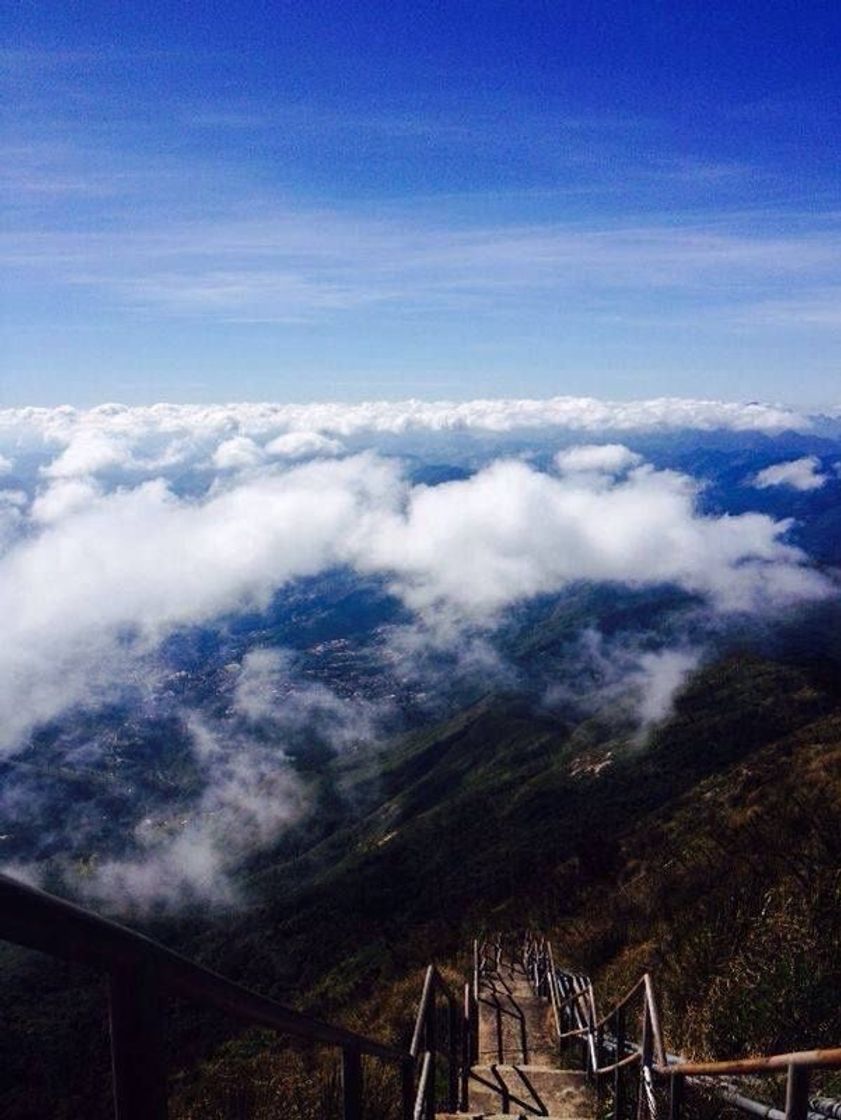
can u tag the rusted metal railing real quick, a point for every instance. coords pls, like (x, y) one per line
(611, 1048)
(142, 973)
(427, 1048)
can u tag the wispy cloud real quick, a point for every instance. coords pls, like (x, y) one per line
(302, 264)
(180, 231)
(821, 309)
(216, 232)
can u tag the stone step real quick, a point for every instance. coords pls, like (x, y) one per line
(515, 1025)
(529, 1090)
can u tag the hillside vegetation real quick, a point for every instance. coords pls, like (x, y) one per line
(709, 854)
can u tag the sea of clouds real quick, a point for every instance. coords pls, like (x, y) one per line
(120, 527)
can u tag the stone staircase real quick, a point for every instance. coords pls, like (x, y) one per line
(517, 1072)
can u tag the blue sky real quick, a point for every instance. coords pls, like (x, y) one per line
(340, 201)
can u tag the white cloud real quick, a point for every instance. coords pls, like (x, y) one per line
(797, 474)
(114, 577)
(150, 439)
(303, 445)
(237, 453)
(618, 675)
(104, 563)
(97, 579)
(6, 464)
(659, 677)
(510, 532)
(63, 497)
(610, 458)
(12, 517)
(88, 451)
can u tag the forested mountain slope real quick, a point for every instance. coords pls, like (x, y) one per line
(708, 853)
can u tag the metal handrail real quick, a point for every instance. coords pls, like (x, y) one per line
(425, 1046)
(739, 1067)
(422, 1098)
(141, 971)
(426, 994)
(654, 1061)
(654, 1019)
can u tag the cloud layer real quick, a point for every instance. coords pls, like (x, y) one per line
(510, 532)
(157, 437)
(124, 532)
(99, 571)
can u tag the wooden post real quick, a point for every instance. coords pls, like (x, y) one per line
(351, 1083)
(797, 1093)
(618, 1081)
(136, 1052)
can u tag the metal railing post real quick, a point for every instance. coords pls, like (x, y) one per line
(675, 1098)
(797, 1092)
(421, 1110)
(136, 1053)
(431, 1044)
(407, 1088)
(618, 1082)
(351, 1083)
(645, 1053)
(466, 1046)
(141, 972)
(645, 1100)
(553, 991)
(583, 1022)
(564, 1015)
(452, 1054)
(589, 1022)
(474, 1028)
